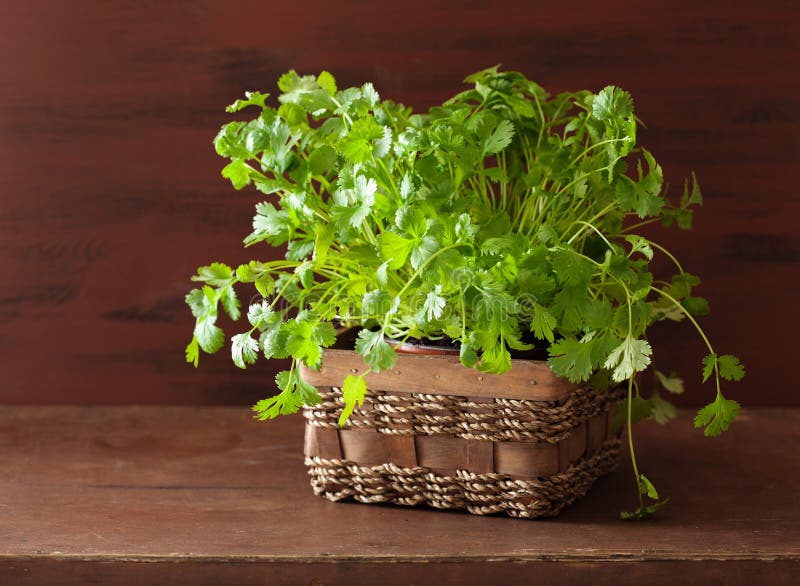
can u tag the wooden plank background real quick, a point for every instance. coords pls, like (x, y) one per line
(110, 193)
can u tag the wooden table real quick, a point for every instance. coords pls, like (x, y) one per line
(207, 495)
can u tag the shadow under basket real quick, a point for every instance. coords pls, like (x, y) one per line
(432, 432)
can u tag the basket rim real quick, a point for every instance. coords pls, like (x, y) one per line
(444, 375)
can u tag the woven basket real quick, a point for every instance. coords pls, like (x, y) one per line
(432, 432)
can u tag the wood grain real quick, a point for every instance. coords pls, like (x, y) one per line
(208, 495)
(527, 379)
(111, 194)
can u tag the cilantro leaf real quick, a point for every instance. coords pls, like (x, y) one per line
(642, 196)
(646, 487)
(434, 304)
(671, 383)
(295, 392)
(377, 353)
(571, 268)
(543, 323)
(208, 334)
(662, 410)
(352, 206)
(244, 350)
(641, 409)
(569, 306)
(238, 173)
(274, 341)
(640, 244)
(629, 357)
(198, 303)
(260, 314)
(709, 362)
(251, 99)
(422, 250)
(394, 249)
(326, 81)
(499, 138)
(216, 274)
(193, 352)
(730, 368)
(354, 390)
(468, 355)
(376, 302)
(612, 104)
(230, 302)
(717, 416)
(571, 359)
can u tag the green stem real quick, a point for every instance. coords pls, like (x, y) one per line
(668, 254)
(629, 425)
(687, 314)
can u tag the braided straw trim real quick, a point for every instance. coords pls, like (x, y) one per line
(479, 494)
(489, 419)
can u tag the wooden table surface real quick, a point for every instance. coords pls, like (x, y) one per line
(207, 495)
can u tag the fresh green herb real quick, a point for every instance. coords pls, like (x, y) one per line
(504, 210)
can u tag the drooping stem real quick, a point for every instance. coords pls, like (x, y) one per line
(629, 425)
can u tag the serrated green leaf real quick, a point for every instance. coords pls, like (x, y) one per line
(376, 303)
(422, 250)
(543, 323)
(230, 303)
(468, 355)
(499, 138)
(569, 306)
(671, 383)
(640, 244)
(273, 342)
(354, 389)
(322, 160)
(629, 357)
(696, 305)
(238, 173)
(193, 352)
(377, 353)
(208, 334)
(244, 350)
(326, 81)
(434, 304)
(571, 359)
(612, 104)
(198, 303)
(395, 249)
(717, 416)
(730, 368)
(352, 206)
(709, 362)
(216, 274)
(644, 512)
(646, 488)
(251, 99)
(261, 314)
(662, 410)
(571, 268)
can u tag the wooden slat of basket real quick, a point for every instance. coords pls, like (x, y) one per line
(572, 447)
(596, 432)
(323, 442)
(525, 459)
(445, 454)
(444, 375)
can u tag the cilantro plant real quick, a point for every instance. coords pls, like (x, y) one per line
(503, 216)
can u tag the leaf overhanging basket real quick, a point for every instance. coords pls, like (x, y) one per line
(432, 432)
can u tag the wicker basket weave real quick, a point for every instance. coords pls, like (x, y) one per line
(432, 432)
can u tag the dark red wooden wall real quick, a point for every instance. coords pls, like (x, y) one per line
(110, 193)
